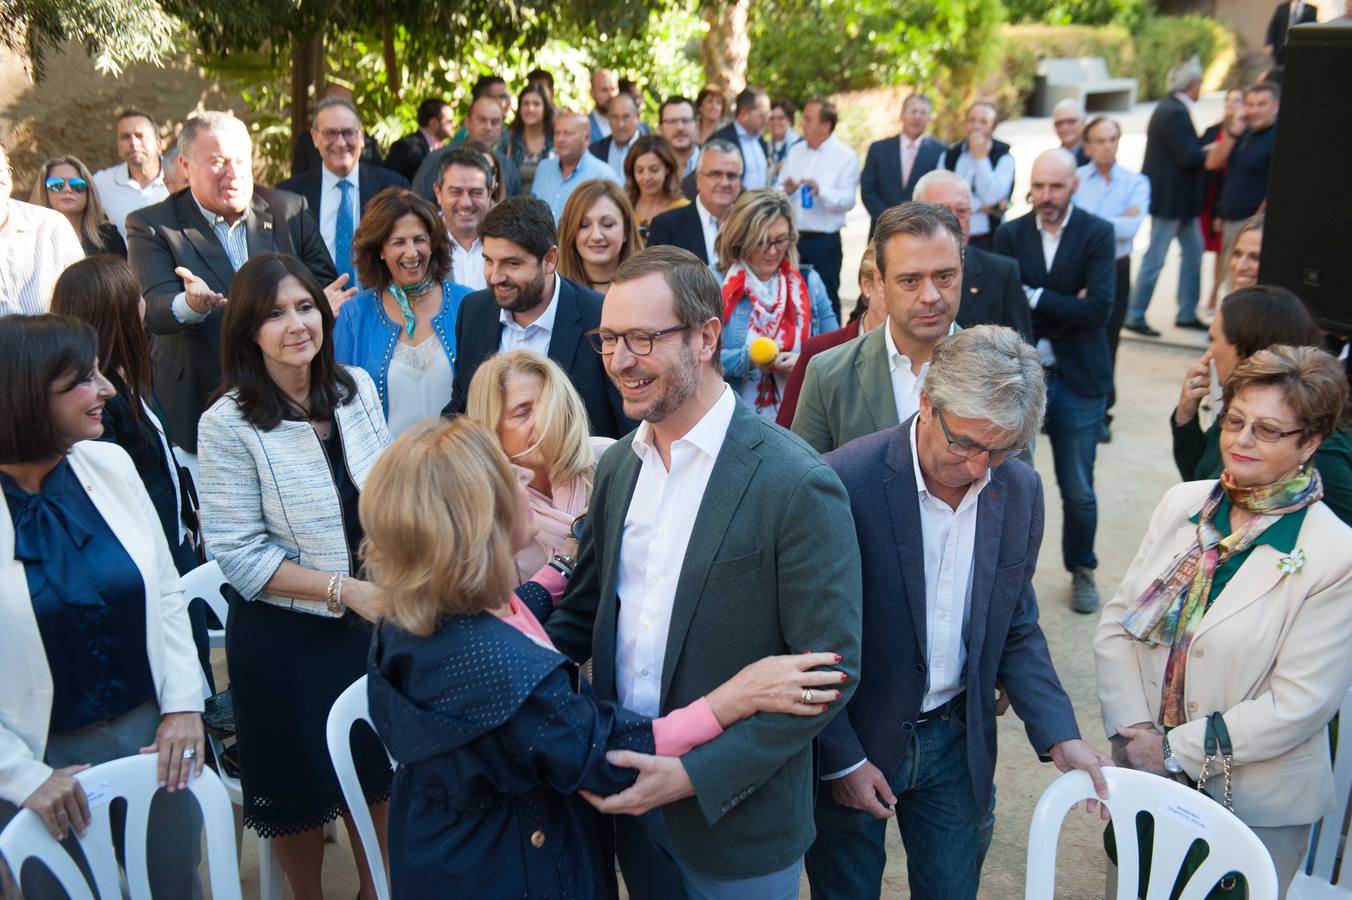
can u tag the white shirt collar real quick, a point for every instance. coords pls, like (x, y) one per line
(707, 435)
(122, 176)
(211, 217)
(1187, 101)
(921, 487)
(329, 181)
(706, 218)
(546, 320)
(895, 356)
(1037, 220)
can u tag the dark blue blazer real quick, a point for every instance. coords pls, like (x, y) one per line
(1003, 638)
(991, 293)
(372, 179)
(1085, 260)
(880, 183)
(680, 228)
(494, 735)
(477, 332)
(1173, 161)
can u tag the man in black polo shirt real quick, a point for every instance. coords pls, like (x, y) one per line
(1246, 158)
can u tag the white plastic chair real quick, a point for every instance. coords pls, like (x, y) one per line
(351, 707)
(208, 582)
(134, 779)
(1328, 845)
(1181, 814)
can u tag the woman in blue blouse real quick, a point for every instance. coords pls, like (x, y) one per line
(401, 329)
(98, 658)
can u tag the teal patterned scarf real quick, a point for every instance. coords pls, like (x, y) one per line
(401, 297)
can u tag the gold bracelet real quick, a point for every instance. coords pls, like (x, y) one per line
(333, 597)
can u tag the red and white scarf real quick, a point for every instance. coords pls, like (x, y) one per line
(787, 319)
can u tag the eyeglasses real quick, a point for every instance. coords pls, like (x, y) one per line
(57, 185)
(1059, 122)
(963, 450)
(349, 135)
(777, 244)
(640, 343)
(1262, 431)
(721, 176)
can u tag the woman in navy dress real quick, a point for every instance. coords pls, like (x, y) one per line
(493, 729)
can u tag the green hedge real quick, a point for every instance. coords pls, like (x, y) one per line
(1163, 41)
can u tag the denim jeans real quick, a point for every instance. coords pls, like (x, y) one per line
(1162, 233)
(937, 814)
(1073, 424)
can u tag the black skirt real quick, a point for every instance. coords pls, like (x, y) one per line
(286, 670)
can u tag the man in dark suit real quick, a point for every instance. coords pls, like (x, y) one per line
(1173, 162)
(746, 133)
(991, 291)
(693, 227)
(436, 124)
(1295, 12)
(948, 552)
(186, 248)
(338, 191)
(894, 164)
(714, 538)
(529, 306)
(484, 126)
(622, 114)
(1067, 262)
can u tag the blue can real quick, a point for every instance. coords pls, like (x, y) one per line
(807, 196)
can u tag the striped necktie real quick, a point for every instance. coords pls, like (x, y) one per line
(342, 233)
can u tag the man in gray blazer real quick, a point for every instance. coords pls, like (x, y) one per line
(874, 381)
(949, 526)
(714, 538)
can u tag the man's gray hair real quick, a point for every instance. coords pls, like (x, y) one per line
(1184, 75)
(328, 103)
(936, 177)
(1069, 104)
(989, 373)
(720, 145)
(208, 121)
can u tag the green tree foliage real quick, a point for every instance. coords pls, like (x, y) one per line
(113, 32)
(1130, 13)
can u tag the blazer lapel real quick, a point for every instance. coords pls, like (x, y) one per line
(368, 187)
(900, 489)
(604, 630)
(732, 474)
(990, 524)
(1066, 250)
(258, 227)
(1032, 243)
(198, 232)
(875, 380)
(1256, 579)
(567, 333)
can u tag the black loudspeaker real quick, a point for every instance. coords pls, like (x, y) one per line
(1307, 234)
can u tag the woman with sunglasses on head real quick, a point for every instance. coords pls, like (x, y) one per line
(1236, 604)
(98, 657)
(67, 187)
(285, 451)
(767, 300)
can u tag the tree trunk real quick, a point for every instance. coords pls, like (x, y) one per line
(727, 45)
(393, 74)
(307, 68)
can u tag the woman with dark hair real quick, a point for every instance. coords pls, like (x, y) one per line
(98, 657)
(401, 329)
(711, 109)
(531, 135)
(284, 453)
(1249, 320)
(652, 179)
(67, 187)
(597, 232)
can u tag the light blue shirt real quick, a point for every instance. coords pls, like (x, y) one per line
(1109, 198)
(551, 187)
(234, 240)
(755, 167)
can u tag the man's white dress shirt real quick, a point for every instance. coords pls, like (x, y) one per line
(657, 529)
(835, 168)
(467, 265)
(534, 336)
(121, 194)
(36, 245)
(906, 384)
(710, 226)
(1050, 243)
(330, 195)
(989, 183)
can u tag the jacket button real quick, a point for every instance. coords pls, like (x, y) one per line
(537, 839)
(726, 807)
(1192, 707)
(920, 668)
(1198, 654)
(907, 727)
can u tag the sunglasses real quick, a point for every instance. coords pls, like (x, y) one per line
(56, 185)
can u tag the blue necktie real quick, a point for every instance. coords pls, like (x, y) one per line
(342, 233)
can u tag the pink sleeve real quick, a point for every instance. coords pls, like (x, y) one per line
(684, 729)
(552, 580)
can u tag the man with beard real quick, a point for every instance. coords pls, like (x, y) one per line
(529, 306)
(1066, 263)
(713, 538)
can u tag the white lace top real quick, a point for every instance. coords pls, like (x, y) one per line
(419, 383)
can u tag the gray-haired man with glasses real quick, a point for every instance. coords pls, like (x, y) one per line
(949, 526)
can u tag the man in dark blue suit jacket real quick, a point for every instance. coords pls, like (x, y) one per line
(528, 305)
(949, 526)
(1067, 266)
(881, 184)
(718, 176)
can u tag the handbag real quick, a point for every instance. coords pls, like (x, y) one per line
(1217, 749)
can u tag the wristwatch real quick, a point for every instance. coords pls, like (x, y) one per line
(562, 564)
(1171, 763)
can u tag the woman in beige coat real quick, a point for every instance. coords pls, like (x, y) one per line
(1237, 602)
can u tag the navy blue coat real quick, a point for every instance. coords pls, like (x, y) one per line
(494, 736)
(880, 183)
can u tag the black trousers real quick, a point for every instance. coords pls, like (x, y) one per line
(821, 249)
(1116, 317)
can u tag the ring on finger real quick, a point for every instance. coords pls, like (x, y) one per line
(807, 695)
(189, 752)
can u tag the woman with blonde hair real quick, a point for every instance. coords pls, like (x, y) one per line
(493, 731)
(541, 424)
(765, 295)
(597, 232)
(67, 187)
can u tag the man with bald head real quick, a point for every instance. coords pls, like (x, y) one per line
(557, 177)
(605, 84)
(1066, 264)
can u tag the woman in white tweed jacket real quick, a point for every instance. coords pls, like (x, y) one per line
(284, 452)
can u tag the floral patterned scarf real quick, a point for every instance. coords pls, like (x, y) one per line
(786, 318)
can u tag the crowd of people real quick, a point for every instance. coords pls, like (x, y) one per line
(546, 388)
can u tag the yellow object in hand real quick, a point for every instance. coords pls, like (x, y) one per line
(763, 351)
